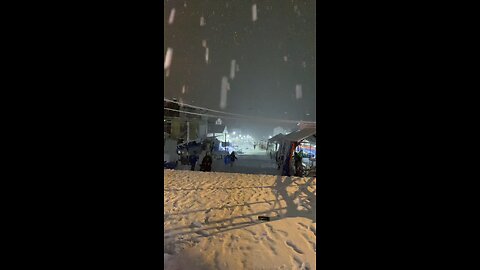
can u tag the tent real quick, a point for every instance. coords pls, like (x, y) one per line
(291, 141)
(277, 138)
(309, 134)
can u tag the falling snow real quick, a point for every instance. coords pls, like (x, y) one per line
(232, 69)
(172, 16)
(298, 91)
(206, 55)
(281, 40)
(168, 58)
(223, 92)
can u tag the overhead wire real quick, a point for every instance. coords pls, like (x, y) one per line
(243, 117)
(237, 118)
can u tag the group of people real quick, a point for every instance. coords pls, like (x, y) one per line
(207, 160)
(297, 162)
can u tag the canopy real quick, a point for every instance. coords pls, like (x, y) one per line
(302, 134)
(276, 138)
(216, 128)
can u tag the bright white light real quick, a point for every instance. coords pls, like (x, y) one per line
(233, 133)
(254, 12)
(269, 137)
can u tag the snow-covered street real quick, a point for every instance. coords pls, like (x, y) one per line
(251, 162)
(211, 221)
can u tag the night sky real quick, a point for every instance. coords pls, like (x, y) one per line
(265, 84)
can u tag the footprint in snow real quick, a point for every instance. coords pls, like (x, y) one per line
(203, 233)
(297, 262)
(303, 225)
(293, 246)
(196, 224)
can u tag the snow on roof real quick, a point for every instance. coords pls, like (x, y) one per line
(301, 134)
(276, 138)
(216, 128)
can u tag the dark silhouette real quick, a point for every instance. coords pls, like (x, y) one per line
(298, 163)
(206, 165)
(193, 160)
(232, 158)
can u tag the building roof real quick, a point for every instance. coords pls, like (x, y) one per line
(302, 134)
(276, 138)
(216, 128)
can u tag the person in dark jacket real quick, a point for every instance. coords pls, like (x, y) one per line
(206, 165)
(193, 160)
(232, 158)
(298, 163)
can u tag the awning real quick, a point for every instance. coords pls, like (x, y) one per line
(276, 138)
(297, 136)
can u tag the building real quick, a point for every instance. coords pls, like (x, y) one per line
(185, 124)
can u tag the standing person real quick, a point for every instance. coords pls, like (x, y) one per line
(298, 163)
(202, 156)
(206, 165)
(232, 158)
(280, 161)
(254, 146)
(193, 160)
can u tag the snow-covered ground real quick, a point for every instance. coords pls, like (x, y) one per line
(211, 221)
